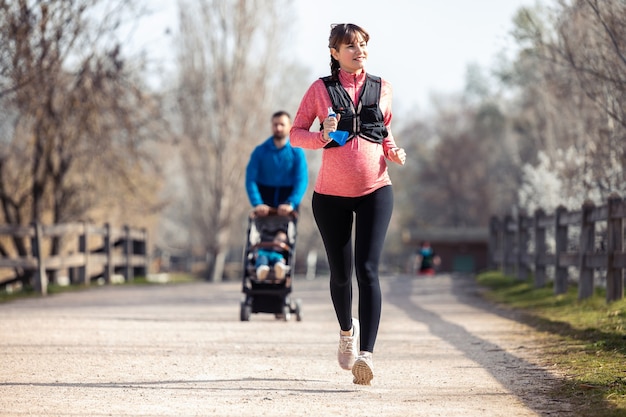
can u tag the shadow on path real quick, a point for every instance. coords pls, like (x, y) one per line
(202, 384)
(528, 381)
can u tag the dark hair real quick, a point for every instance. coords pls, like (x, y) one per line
(343, 33)
(280, 113)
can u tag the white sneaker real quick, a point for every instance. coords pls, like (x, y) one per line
(347, 352)
(363, 369)
(262, 271)
(280, 270)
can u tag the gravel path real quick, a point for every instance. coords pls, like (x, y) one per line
(180, 350)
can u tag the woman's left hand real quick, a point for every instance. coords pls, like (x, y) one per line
(397, 155)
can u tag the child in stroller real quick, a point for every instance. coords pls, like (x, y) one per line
(268, 265)
(273, 254)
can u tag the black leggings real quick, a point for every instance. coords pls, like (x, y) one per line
(334, 218)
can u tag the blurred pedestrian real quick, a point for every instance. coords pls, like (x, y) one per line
(277, 173)
(426, 260)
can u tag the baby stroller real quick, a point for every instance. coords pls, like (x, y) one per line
(270, 294)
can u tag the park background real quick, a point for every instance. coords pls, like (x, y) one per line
(103, 123)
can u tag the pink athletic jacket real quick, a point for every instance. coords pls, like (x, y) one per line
(359, 167)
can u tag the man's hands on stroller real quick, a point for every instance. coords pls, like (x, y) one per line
(264, 210)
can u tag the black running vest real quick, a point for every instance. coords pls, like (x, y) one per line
(367, 120)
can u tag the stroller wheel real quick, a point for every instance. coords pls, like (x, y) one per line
(286, 312)
(245, 312)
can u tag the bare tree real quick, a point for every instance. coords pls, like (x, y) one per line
(593, 47)
(464, 163)
(462, 178)
(571, 71)
(228, 57)
(78, 114)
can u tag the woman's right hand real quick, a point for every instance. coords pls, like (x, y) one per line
(330, 125)
(397, 155)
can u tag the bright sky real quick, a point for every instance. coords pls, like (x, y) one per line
(420, 46)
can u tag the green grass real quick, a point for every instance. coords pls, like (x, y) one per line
(584, 339)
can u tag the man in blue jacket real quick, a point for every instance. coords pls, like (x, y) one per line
(277, 175)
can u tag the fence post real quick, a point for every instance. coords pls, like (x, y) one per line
(615, 236)
(540, 249)
(494, 247)
(128, 253)
(508, 242)
(587, 245)
(522, 246)
(41, 279)
(83, 247)
(560, 233)
(142, 249)
(109, 268)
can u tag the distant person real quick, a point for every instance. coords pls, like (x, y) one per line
(353, 189)
(273, 256)
(426, 259)
(276, 175)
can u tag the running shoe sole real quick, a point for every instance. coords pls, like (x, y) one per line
(363, 373)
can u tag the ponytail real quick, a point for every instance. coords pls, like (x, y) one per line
(334, 68)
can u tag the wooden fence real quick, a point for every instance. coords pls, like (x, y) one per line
(97, 251)
(577, 245)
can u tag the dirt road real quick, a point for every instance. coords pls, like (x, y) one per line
(180, 350)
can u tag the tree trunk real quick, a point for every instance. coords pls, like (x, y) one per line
(218, 266)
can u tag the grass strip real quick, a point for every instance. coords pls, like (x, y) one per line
(584, 339)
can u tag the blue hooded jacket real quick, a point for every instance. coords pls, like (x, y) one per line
(276, 176)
